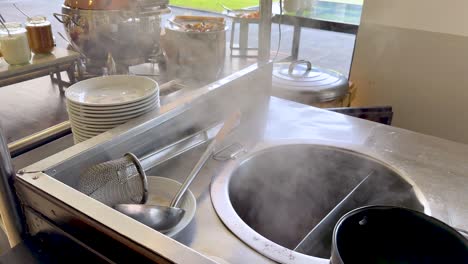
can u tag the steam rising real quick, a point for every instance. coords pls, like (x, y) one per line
(283, 194)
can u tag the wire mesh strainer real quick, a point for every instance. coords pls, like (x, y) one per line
(116, 181)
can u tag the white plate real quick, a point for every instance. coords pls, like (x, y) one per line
(111, 90)
(79, 113)
(86, 133)
(162, 190)
(146, 101)
(154, 101)
(152, 98)
(102, 110)
(90, 129)
(96, 123)
(106, 121)
(77, 139)
(98, 126)
(82, 134)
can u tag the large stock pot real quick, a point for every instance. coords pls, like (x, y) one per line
(131, 36)
(192, 54)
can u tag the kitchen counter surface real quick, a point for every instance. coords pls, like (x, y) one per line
(437, 167)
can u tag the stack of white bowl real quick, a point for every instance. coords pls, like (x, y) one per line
(99, 104)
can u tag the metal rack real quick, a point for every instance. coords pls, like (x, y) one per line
(42, 65)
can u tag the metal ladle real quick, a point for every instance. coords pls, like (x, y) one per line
(176, 24)
(163, 218)
(69, 43)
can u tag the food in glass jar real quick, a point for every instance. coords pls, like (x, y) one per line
(40, 34)
(14, 44)
(199, 23)
(249, 15)
(203, 27)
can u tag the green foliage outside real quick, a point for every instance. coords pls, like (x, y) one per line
(212, 5)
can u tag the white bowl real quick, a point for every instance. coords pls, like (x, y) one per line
(85, 133)
(106, 120)
(98, 126)
(162, 190)
(90, 130)
(127, 114)
(111, 110)
(77, 139)
(112, 90)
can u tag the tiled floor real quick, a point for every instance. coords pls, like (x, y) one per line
(34, 105)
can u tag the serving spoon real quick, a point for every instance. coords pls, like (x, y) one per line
(6, 28)
(164, 218)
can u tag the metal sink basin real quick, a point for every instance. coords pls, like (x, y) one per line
(273, 197)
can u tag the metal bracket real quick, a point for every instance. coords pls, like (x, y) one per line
(231, 152)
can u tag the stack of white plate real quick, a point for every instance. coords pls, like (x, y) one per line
(99, 104)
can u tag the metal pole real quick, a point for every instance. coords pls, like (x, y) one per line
(264, 31)
(38, 139)
(9, 205)
(296, 40)
(243, 37)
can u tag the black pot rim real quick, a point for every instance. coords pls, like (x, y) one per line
(336, 257)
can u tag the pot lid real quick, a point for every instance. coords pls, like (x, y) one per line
(301, 77)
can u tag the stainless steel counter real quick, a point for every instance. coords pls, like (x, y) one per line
(438, 167)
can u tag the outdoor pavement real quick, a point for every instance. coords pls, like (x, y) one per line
(34, 105)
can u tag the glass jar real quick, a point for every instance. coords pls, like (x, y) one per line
(14, 45)
(40, 34)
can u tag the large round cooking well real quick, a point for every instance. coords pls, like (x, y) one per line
(272, 198)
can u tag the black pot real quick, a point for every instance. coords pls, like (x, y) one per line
(386, 234)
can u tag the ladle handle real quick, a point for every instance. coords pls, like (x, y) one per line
(228, 125)
(8, 31)
(60, 18)
(176, 24)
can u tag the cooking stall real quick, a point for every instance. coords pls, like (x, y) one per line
(271, 191)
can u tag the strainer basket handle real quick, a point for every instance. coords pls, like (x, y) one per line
(142, 174)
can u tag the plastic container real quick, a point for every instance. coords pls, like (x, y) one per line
(14, 46)
(40, 34)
